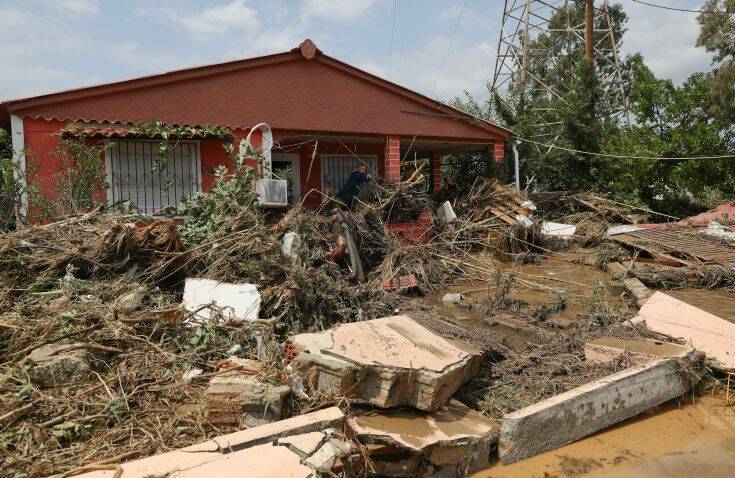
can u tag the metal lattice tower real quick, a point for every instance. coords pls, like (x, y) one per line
(538, 37)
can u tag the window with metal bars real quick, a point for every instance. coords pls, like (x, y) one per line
(134, 176)
(336, 168)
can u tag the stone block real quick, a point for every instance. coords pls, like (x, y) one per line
(50, 365)
(637, 291)
(617, 270)
(384, 362)
(567, 417)
(238, 398)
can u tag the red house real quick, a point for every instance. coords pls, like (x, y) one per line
(326, 116)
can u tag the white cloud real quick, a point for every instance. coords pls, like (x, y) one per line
(218, 20)
(336, 10)
(667, 41)
(14, 19)
(20, 80)
(76, 6)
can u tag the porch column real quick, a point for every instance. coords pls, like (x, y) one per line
(496, 151)
(436, 170)
(392, 159)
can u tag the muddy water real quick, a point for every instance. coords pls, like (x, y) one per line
(677, 440)
(558, 271)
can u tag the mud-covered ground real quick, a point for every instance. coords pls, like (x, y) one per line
(691, 436)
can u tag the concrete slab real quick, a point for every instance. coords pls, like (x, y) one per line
(262, 461)
(237, 301)
(54, 365)
(196, 456)
(385, 362)
(451, 441)
(637, 291)
(704, 331)
(306, 443)
(572, 415)
(608, 349)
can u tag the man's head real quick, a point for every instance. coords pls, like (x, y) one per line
(362, 168)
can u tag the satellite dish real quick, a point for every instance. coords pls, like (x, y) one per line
(266, 145)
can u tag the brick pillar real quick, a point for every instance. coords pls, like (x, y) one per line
(392, 159)
(496, 152)
(436, 169)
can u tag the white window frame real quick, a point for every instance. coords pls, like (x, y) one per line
(114, 143)
(295, 160)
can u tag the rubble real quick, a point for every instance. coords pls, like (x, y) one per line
(617, 270)
(450, 297)
(234, 301)
(291, 244)
(637, 290)
(572, 415)
(704, 331)
(445, 212)
(451, 441)
(52, 365)
(238, 397)
(415, 367)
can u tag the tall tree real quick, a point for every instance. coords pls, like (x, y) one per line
(717, 35)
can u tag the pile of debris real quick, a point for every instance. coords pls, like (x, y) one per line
(124, 336)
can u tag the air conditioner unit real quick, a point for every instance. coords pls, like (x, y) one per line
(272, 192)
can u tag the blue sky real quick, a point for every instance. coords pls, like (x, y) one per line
(47, 45)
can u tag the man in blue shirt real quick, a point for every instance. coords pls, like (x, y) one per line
(351, 188)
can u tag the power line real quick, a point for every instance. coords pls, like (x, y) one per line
(619, 156)
(451, 40)
(666, 7)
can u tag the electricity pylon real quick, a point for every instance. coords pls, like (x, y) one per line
(542, 41)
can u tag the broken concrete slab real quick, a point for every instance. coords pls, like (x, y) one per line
(637, 290)
(52, 365)
(567, 417)
(243, 448)
(412, 366)
(608, 349)
(617, 270)
(236, 301)
(703, 331)
(305, 444)
(450, 441)
(238, 397)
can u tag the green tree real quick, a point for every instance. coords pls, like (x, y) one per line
(717, 35)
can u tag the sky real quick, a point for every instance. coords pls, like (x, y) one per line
(437, 47)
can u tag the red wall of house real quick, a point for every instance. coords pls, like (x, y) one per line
(311, 180)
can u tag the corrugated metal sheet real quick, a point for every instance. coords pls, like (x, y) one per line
(687, 243)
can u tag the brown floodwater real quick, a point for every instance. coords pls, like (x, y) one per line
(678, 439)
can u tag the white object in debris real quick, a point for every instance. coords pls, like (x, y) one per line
(452, 297)
(529, 205)
(236, 301)
(621, 229)
(524, 221)
(558, 230)
(272, 192)
(191, 373)
(445, 212)
(234, 350)
(291, 243)
(716, 229)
